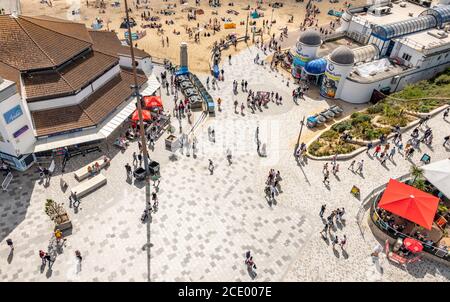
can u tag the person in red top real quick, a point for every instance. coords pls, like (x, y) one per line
(377, 150)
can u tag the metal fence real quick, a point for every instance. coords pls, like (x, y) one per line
(385, 228)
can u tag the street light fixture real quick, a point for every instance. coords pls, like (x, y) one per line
(143, 141)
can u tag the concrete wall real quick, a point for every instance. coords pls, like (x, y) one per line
(400, 49)
(359, 93)
(24, 142)
(144, 64)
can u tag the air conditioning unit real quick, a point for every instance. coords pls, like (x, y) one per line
(438, 34)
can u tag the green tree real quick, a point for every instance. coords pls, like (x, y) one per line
(53, 209)
(417, 173)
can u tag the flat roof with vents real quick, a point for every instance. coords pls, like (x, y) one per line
(427, 42)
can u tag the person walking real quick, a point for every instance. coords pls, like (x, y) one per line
(229, 59)
(235, 106)
(48, 258)
(211, 166)
(392, 153)
(59, 236)
(446, 139)
(343, 241)
(335, 169)
(10, 243)
(352, 165)
(78, 255)
(377, 250)
(326, 176)
(322, 210)
(446, 112)
(359, 169)
(140, 159)
(340, 214)
(135, 160)
(383, 157)
(42, 255)
(369, 146)
(335, 241)
(128, 170)
(377, 150)
(219, 102)
(324, 230)
(229, 156)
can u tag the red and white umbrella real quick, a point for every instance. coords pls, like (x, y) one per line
(146, 115)
(413, 245)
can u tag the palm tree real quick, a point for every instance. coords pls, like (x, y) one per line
(416, 172)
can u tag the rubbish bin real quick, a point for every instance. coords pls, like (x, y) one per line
(154, 168)
(139, 173)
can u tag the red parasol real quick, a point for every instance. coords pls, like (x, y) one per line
(412, 245)
(410, 203)
(151, 101)
(146, 115)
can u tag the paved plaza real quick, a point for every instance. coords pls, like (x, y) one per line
(205, 223)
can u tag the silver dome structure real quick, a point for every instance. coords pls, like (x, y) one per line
(342, 55)
(310, 37)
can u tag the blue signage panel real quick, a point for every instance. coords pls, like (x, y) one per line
(12, 114)
(20, 131)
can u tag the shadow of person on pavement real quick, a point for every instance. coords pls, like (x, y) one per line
(10, 256)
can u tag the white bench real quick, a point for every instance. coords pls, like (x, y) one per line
(89, 185)
(84, 173)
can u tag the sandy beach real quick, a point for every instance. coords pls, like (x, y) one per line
(199, 53)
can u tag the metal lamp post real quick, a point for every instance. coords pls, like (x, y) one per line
(137, 95)
(148, 245)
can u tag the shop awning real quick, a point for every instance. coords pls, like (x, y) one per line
(409, 203)
(438, 174)
(152, 85)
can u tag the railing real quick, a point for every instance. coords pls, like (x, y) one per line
(385, 228)
(373, 195)
(7, 181)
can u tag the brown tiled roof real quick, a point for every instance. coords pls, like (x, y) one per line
(110, 96)
(41, 85)
(108, 42)
(30, 43)
(18, 49)
(90, 112)
(65, 27)
(9, 73)
(60, 119)
(68, 79)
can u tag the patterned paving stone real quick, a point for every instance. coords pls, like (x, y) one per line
(206, 223)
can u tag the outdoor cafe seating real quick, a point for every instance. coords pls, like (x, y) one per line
(404, 211)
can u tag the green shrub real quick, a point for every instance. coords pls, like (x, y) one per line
(342, 126)
(314, 147)
(361, 118)
(375, 108)
(443, 79)
(329, 135)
